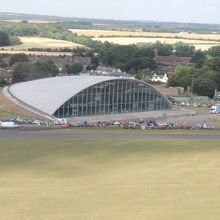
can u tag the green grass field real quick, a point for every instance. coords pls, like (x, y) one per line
(216, 120)
(6, 114)
(109, 179)
(198, 109)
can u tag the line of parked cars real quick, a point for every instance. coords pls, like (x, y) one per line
(136, 125)
(141, 124)
(15, 122)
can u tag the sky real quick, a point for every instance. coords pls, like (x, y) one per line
(195, 11)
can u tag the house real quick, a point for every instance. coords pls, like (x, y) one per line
(168, 64)
(159, 78)
(83, 60)
(60, 61)
(106, 71)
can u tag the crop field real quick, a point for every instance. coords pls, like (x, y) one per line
(107, 33)
(40, 53)
(200, 41)
(199, 44)
(39, 42)
(109, 179)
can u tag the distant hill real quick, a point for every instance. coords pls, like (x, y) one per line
(12, 16)
(108, 24)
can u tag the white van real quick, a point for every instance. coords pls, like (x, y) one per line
(8, 125)
(215, 109)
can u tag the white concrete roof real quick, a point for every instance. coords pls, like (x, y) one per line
(48, 94)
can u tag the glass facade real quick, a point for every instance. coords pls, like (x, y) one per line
(111, 97)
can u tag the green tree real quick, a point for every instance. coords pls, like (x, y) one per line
(73, 69)
(183, 76)
(94, 63)
(184, 50)
(30, 71)
(3, 64)
(214, 51)
(3, 82)
(163, 49)
(205, 87)
(129, 58)
(17, 58)
(213, 63)
(4, 38)
(13, 40)
(43, 69)
(21, 72)
(144, 75)
(199, 58)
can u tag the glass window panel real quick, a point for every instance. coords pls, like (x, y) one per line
(115, 96)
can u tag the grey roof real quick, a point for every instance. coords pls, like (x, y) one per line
(48, 94)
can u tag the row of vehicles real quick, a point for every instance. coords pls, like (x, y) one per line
(13, 123)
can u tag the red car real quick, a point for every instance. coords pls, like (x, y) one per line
(65, 126)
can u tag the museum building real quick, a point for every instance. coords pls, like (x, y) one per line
(82, 96)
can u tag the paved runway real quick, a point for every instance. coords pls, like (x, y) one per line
(25, 133)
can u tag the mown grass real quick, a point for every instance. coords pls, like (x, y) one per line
(116, 130)
(109, 179)
(216, 120)
(6, 114)
(197, 109)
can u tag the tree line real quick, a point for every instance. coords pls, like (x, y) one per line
(55, 31)
(7, 40)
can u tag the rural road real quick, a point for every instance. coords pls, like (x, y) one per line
(26, 133)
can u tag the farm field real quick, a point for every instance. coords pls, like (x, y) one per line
(45, 53)
(107, 33)
(109, 179)
(39, 42)
(199, 44)
(200, 41)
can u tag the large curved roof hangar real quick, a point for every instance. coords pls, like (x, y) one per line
(51, 94)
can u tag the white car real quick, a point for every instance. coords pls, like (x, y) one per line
(36, 122)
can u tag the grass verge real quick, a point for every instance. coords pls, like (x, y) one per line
(126, 131)
(109, 179)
